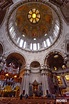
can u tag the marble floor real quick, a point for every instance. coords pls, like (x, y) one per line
(11, 100)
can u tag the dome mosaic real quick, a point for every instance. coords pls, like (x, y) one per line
(35, 26)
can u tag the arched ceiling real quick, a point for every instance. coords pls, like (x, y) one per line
(30, 37)
(33, 28)
(34, 19)
(63, 5)
(35, 64)
(17, 59)
(55, 61)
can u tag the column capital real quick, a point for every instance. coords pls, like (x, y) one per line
(43, 72)
(27, 72)
(27, 66)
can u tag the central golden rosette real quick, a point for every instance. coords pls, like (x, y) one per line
(34, 15)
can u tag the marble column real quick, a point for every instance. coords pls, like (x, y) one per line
(25, 83)
(22, 86)
(46, 83)
(45, 86)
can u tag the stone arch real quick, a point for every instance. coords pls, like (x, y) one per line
(10, 52)
(55, 59)
(55, 50)
(35, 64)
(16, 58)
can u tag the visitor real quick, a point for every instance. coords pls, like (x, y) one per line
(21, 97)
(26, 96)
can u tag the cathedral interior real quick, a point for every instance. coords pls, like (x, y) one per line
(34, 48)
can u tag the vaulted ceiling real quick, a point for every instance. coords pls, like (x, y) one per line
(56, 61)
(62, 4)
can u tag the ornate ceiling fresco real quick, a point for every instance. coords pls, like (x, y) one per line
(34, 20)
(63, 5)
(34, 26)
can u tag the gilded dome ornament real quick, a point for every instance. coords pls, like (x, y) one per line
(34, 16)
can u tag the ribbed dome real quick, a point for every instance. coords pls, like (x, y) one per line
(35, 26)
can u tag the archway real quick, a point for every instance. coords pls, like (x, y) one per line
(35, 85)
(35, 64)
(16, 58)
(57, 66)
(55, 61)
(10, 74)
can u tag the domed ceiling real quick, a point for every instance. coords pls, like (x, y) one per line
(34, 20)
(33, 26)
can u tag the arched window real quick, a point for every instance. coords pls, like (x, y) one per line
(34, 46)
(21, 43)
(31, 46)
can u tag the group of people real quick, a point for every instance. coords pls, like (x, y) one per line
(23, 96)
